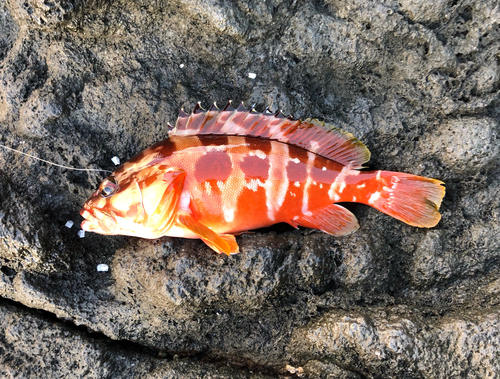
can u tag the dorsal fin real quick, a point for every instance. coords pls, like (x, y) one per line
(312, 135)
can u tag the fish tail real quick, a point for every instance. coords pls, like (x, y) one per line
(412, 199)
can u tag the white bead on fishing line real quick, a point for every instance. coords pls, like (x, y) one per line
(81, 233)
(116, 160)
(69, 224)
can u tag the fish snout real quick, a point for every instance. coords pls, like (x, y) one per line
(97, 221)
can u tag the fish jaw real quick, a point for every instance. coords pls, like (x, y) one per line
(97, 221)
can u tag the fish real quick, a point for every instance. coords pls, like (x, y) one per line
(223, 172)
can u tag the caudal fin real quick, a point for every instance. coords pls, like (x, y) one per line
(412, 199)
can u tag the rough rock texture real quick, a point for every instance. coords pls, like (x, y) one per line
(417, 81)
(34, 345)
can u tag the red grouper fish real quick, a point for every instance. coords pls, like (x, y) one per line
(223, 172)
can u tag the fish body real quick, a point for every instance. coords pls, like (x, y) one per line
(223, 172)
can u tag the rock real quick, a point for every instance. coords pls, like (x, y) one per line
(9, 30)
(403, 346)
(33, 345)
(37, 113)
(42, 13)
(82, 82)
(318, 369)
(468, 144)
(431, 264)
(426, 11)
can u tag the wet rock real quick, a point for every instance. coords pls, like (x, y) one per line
(417, 81)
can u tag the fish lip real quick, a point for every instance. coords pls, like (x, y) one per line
(93, 221)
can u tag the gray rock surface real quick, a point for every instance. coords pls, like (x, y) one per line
(83, 81)
(35, 345)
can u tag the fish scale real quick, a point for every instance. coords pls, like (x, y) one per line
(223, 172)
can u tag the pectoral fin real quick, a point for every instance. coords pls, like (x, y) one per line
(161, 202)
(221, 243)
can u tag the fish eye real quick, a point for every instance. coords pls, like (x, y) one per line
(109, 186)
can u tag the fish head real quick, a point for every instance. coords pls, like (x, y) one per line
(141, 203)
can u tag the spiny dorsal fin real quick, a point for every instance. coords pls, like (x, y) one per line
(312, 135)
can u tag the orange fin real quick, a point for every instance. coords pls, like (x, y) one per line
(332, 219)
(231, 240)
(221, 243)
(162, 209)
(312, 135)
(412, 199)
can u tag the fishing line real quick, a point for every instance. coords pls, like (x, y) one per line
(52, 163)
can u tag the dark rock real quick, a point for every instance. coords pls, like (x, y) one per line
(33, 345)
(417, 81)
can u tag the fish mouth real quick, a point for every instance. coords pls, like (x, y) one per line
(97, 221)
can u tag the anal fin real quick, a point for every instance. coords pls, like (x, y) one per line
(332, 219)
(221, 243)
(231, 241)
